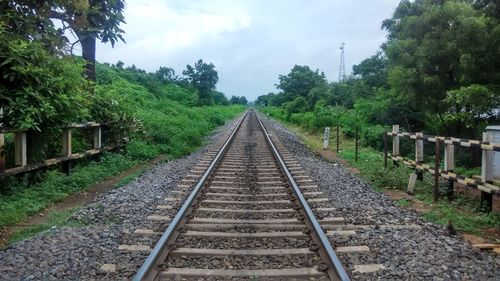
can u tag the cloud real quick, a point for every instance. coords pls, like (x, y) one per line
(250, 42)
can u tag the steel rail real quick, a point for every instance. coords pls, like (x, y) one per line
(145, 270)
(338, 268)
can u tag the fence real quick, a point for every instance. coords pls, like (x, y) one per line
(326, 140)
(21, 149)
(484, 184)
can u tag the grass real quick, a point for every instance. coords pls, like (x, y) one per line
(23, 199)
(167, 124)
(130, 178)
(54, 219)
(463, 211)
(404, 202)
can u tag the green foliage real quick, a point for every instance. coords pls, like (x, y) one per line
(202, 77)
(22, 199)
(159, 122)
(439, 47)
(38, 90)
(299, 104)
(471, 223)
(238, 100)
(298, 83)
(164, 124)
(471, 104)
(138, 149)
(220, 98)
(438, 72)
(54, 219)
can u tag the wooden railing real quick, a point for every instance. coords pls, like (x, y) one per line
(484, 184)
(21, 150)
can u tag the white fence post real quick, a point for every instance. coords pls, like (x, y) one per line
(487, 160)
(419, 148)
(97, 138)
(449, 157)
(326, 137)
(395, 141)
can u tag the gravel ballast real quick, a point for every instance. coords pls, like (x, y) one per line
(409, 247)
(79, 253)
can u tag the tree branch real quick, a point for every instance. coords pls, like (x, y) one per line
(61, 16)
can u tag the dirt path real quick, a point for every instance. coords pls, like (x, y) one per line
(75, 200)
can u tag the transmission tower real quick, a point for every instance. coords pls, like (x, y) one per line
(342, 63)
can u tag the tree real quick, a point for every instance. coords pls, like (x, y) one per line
(89, 20)
(166, 74)
(373, 70)
(299, 104)
(219, 98)
(265, 100)
(472, 105)
(238, 100)
(299, 82)
(203, 77)
(438, 46)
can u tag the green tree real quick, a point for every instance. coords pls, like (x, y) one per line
(166, 74)
(238, 100)
(219, 98)
(298, 105)
(299, 82)
(203, 77)
(472, 105)
(372, 71)
(88, 19)
(438, 46)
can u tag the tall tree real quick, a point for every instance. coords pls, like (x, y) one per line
(438, 46)
(166, 74)
(89, 20)
(299, 82)
(238, 100)
(203, 77)
(373, 70)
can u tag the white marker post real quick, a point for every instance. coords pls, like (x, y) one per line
(326, 137)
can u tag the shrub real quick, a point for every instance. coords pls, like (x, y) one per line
(138, 149)
(373, 136)
(39, 90)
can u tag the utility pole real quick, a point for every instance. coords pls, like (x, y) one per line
(342, 63)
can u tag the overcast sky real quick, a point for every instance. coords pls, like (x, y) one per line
(249, 42)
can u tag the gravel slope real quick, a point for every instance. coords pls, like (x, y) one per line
(422, 252)
(78, 253)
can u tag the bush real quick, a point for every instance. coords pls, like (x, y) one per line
(39, 90)
(373, 136)
(138, 149)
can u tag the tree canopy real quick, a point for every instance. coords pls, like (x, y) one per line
(238, 100)
(87, 19)
(203, 77)
(438, 71)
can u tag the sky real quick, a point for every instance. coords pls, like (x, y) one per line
(250, 42)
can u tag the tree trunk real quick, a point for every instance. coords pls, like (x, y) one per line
(88, 53)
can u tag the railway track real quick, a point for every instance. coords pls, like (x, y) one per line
(247, 217)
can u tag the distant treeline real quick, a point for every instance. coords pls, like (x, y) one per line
(438, 72)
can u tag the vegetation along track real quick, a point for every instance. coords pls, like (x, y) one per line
(247, 218)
